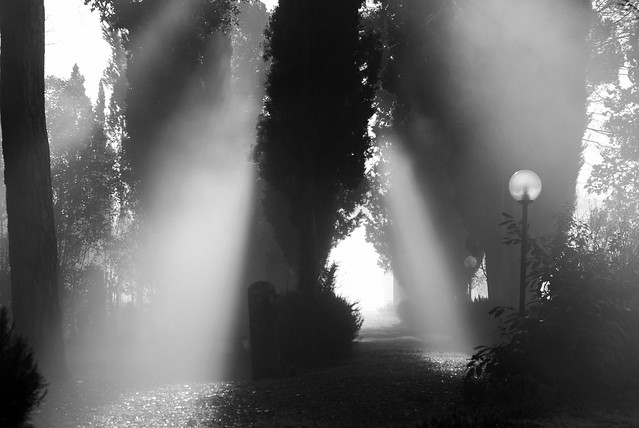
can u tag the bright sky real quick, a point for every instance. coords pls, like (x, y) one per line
(270, 4)
(359, 278)
(74, 36)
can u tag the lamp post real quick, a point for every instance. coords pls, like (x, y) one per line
(524, 187)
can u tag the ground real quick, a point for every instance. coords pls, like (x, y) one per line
(393, 379)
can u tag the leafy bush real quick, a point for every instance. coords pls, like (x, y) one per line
(317, 329)
(582, 332)
(21, 385)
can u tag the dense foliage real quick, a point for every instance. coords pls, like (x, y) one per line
(313, 137)
(90, 202)
(613, 132)
(21, 384)
(582, 331)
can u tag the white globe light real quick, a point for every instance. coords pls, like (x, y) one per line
(524, 185)
(470, 262)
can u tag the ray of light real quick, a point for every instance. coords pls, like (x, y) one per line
(424, 272)
(196, 227)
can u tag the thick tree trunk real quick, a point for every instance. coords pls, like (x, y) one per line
(32, 240)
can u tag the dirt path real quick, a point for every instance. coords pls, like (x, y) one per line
(393, 380)
(390, 381)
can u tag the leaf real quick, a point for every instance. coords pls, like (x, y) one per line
(496, 309)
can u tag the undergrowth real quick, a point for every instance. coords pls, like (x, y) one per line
(317, 329)
(21, 384)
(580, 336)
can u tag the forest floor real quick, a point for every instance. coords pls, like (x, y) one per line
(393, 380)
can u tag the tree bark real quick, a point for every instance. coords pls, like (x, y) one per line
(32, 240)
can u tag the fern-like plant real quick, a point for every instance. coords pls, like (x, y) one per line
(582, 331)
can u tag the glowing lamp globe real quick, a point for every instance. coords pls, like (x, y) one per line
(470, 262)
(524, 185)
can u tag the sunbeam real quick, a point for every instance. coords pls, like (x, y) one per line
(423, 271)
(196, 257)
(198, 212)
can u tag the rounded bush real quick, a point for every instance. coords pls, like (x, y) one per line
(317, 329)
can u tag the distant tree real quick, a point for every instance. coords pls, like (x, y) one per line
(5, 277)
(32, 239)
(122, 265)
(313, 137)
(616, 132)
(115, 79)
(84, 184)
(247, 63)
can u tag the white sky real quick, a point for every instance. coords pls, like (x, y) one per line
(359, 278)
(73, 36)
(270, 4)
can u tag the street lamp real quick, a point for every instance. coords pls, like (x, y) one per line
(524, 187)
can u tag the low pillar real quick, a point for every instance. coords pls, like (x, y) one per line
(265, 347)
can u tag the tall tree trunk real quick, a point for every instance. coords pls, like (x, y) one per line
(32, 240)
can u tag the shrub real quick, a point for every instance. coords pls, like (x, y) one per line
(317, 329)
(21, 385)
(582, 333)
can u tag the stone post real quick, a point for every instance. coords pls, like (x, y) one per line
(265, 347)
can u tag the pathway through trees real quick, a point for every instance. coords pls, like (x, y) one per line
(390, 379)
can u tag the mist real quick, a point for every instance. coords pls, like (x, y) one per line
(198, 194)
(521, 68)
(201, 201)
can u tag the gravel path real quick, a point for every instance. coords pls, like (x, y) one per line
(391, 381)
